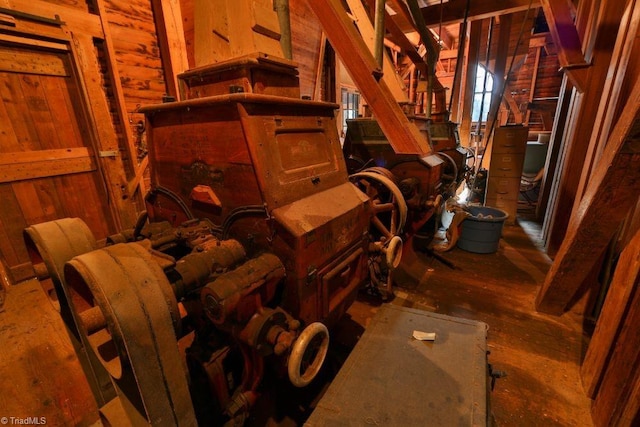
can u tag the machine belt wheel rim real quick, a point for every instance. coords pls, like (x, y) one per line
(393, 252)
(54, 243)
(397, 195)
(299, 349)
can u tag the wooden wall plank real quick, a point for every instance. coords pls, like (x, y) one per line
(13, 223)
(20, 131)
(42, 168)
(40, 112)
(46, 63)
(306, 39)
(622, 371)
(584, 114)
(623, 284)
(611, 193)
(168, 18)
(75, 16)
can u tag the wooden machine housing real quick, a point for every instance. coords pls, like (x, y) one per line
(269, 170)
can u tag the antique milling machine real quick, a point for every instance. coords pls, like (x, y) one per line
(254, 241)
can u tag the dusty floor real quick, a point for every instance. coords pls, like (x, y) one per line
(540, 354)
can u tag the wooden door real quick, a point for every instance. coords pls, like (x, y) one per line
(49, 166)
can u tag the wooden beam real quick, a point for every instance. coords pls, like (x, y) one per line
(618, 393)
(367, 32)
(622, 52)
(173, 49)
(453, 10)
(104, 137)
(405, 44)
(472, 66)
(624, 283)
(580, 122)
(39, 164)
(534, 79)
(138, 179)
(403, 135)
(565, 35)
(31, 42)
(318, 81)
(499, 69)
(511, 104)
(78, 19)
(611, 193)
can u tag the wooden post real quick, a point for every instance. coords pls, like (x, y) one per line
(498, 82)
(532, 88)
(173, 49)
(565, 36)
(617, 400)
(619, 298)
(367, 31)
(611, 193)
(472, 67)
(582, 118)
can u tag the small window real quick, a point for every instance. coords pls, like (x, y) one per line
(482, 95)
(350, 106)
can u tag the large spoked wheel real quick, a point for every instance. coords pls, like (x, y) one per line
(388, 204)
(389, 215)
(308, 354)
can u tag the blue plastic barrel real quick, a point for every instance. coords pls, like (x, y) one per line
(480, 233)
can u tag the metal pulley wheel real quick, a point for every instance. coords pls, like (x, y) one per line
(54, 243)
(308, 354)
(127, 313)
(389, 207)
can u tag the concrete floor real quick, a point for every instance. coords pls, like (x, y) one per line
(540, 354)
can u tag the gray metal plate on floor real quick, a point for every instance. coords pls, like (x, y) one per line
(393, 379)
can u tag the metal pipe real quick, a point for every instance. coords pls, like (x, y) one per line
(282, 9)
(379, 33)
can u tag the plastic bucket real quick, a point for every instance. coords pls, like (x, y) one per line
(480, 233)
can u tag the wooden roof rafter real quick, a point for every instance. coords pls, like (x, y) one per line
(452, 12)
(559, 15)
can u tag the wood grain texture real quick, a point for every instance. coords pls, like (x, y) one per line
(403, 136)
(584, 112)
(45, 377)
(611, 193)
(606, 334)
